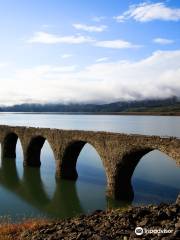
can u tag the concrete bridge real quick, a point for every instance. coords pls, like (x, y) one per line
(120, 153)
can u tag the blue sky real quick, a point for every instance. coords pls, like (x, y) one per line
(88, 51)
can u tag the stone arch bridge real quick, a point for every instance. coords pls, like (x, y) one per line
(120, 153)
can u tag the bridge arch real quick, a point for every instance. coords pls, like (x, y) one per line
(122, 185)
(123, 189)
(67, 169)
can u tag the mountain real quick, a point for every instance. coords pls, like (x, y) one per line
(170, 105)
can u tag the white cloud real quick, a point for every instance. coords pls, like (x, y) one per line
(66, 55)
(90, 28)
(146, 11)
(155, 76)
(163, 41)
(103, 59)
(47, 38)
(118, 43)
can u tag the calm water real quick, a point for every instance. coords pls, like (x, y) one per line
(35, 193)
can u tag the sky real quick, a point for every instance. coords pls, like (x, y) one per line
(93, 51)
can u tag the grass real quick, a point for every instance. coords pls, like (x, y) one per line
(13, 231)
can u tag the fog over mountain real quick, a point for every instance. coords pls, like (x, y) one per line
(156, 76)
(167, 106)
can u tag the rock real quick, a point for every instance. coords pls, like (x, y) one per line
(143, 223)
(178, 200)
(111, 225)
(96, 237)
(176, 234)
(162, 215)
(177, 225)
(169, 213)
(98, 211)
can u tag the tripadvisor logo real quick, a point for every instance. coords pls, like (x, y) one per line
(139, 231)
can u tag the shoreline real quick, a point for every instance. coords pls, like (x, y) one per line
(103, 113)
(157, 221)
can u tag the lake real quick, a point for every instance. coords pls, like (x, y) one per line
(34, 192)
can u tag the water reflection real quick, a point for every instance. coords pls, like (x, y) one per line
(8, 174)
(67, 200)
(33, 189)
(64, 203)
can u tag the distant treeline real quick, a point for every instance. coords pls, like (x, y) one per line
(153, 105)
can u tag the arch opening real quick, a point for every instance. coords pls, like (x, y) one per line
(90, 166)
(79, 153)
(82, 162)
(123, 189)
(155, 178)
(92, 181)
(39, 153)
(19, 159)
(48, 169)
(123, 185)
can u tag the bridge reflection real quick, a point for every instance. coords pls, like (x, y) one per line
(64, 202)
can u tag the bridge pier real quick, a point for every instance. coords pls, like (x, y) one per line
(66, 166)
(119, 174)
(123, 192)
(9, 146)
(65, 172)
(33, 152)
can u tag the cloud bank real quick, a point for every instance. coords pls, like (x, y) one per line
(157, 76)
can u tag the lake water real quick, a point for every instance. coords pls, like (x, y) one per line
(33, 192)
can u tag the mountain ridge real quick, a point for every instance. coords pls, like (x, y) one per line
(150, 105)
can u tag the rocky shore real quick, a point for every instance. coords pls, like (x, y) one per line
(155, 222)
(158, 222)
